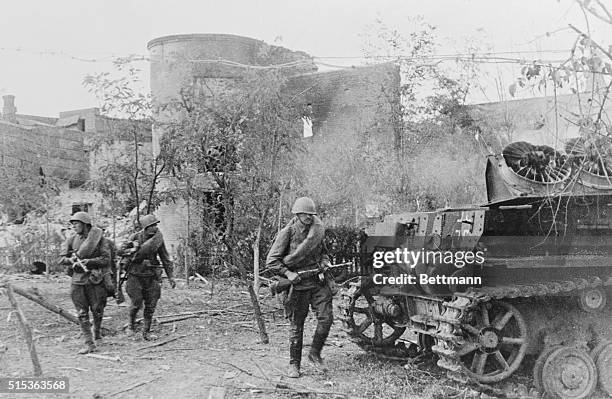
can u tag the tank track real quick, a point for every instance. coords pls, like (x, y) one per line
(446, 327)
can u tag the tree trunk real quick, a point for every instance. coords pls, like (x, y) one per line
(254, 300)
(256, 281)
(136, 166)
(25, 329)
(188, 238)
(280, 211)
(258, 316)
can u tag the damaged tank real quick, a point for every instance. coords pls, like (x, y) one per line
(537, 284)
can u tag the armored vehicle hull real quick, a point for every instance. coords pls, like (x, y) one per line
(537, 281)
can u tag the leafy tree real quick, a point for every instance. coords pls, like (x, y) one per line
(231, 151)
(126, 174)
(586, 73)
(23, 190)
(433, 135)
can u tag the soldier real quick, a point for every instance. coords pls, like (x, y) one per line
(299, 246)
(88, 256)
(144, 275)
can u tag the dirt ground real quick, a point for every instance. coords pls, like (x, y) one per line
(219, 351)
(214, 350)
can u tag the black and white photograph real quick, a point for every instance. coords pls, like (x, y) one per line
(341, 199)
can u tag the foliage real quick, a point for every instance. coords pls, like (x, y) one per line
(31, 242)
(126, 175)
(23, 190)
(428, 159)
(587, 73)
(231, 151)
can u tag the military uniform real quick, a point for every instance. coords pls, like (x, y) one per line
(298, 247)
(87, 289)
(143, 284)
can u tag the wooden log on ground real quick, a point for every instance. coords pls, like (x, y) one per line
(54, 308)
(160, 343)
(178, 319)
(46, 304)
(25, 329)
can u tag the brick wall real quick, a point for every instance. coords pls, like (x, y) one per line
(58, 151)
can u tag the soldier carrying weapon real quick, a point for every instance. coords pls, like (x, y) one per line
(299, 247)
(87, 256)
(144, 274)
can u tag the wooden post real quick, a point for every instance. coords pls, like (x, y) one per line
(25, 329)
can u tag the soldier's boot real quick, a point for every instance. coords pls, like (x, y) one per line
(89, 343)
(314, 355)
(97, 327)
(131, 330)
(293, 371)
(146, 332)
(295, 358)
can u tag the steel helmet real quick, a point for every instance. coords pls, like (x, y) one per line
(148, 220)
(82, 217)
(304, 205)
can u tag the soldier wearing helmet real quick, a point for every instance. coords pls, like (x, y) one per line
(144, 276)
(299, 246)
(87, 255)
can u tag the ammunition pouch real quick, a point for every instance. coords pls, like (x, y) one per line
(96, 276)
(331, 283)
(78, 269)
(110, 284)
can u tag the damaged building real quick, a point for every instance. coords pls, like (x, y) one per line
(63, 148)
(338, 105)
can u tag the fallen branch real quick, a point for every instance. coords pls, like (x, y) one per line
(286, 387)
(54, 308)
(134, 386)
(98, 356)
(72, 368)
(25, 329)
(161, 343)
(47, 305)
(239, 369)
(126, 325)
(202, 278)
(178, 319)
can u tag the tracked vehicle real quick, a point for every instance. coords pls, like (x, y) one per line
(542, 292)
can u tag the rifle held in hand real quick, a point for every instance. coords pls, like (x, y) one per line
(283, 284)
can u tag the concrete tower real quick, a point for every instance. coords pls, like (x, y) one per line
(213, 61)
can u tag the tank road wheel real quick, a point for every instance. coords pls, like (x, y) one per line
(496, 342)
(592, 300)
(569, 373)
(602, 355)
(365, 326)
(539, 366)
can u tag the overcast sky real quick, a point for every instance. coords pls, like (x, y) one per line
(39, 38)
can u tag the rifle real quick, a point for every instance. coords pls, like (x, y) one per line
(76, 261)
(283, 284)
(123, 271)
